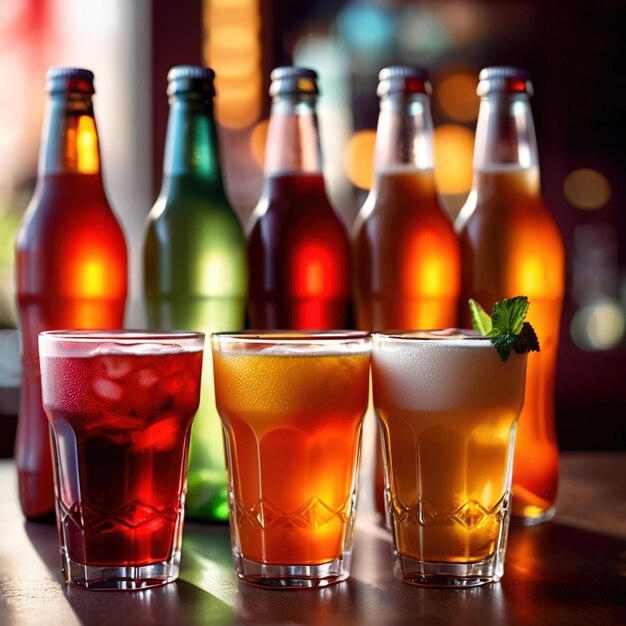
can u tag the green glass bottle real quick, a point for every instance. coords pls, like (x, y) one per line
(195, 274)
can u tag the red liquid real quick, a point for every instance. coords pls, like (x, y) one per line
(121, 425)
(299, 258)
(71, 273)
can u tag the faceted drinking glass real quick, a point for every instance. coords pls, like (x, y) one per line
(292, 408)
(447, 407)
(120, 406)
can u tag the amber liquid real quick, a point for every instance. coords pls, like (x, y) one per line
(71, 273)
(292, 427)
(511, 246)
(298, 257)
(447, 410)
(407, 262)
(451, 509)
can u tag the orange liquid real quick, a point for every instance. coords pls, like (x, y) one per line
(451, 510)
(511, 246)
(408, 268)
(71, 273)
(292, 427)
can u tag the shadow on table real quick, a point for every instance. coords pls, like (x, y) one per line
(180, 603)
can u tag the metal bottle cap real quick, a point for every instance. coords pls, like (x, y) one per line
(504, 79)
(191, 79)
(403, 79)
(293, 80)
(69, 79)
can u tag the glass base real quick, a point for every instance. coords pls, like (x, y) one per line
(534, 520)
(291, 576)
(432, 574)
(122, 577)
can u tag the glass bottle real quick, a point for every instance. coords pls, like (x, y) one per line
(298, 248)
(195, 274)
(406, 254)
(512, 246)
(71, 264)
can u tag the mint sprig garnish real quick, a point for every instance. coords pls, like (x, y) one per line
(506, 328)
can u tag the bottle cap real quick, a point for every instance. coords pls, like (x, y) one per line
(504, 79)
(69, 79)
(191, 79)
(403, 79)
(293, 80)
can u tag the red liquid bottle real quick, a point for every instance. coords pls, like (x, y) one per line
(71, 264)
(298, 248)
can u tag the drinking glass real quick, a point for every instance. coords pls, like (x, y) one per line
(447, 407)
(292, 407)
(120, 406)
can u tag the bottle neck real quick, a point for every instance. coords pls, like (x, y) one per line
(191, 144)
(70, 138)
(293, 144)
(505, 134)
(404, 134)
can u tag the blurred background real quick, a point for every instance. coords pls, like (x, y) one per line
(576, 54)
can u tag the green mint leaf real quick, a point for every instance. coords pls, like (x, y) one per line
(506, 328)
(480, 320)
(527, 340)
(507, 317)
(504, 344)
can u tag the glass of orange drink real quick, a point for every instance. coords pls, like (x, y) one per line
(447, 406)
(292, 407)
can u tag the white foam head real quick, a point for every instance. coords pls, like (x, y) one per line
(444, 373)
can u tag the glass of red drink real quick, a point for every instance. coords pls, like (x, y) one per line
(120, 406)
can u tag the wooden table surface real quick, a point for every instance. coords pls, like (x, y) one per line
(568, 572)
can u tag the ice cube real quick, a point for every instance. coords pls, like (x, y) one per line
(115, 367)
(107, 389)
(108, 347)
(146, 377)
(156, 348)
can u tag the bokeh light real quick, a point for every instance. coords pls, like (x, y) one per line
(454, 149)
(232, 47)
(599, 326)
(587, 189)
(258, 139)
(457, 97)
(359, 158)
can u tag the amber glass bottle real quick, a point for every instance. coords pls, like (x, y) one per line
(512, 246)
(406, 255)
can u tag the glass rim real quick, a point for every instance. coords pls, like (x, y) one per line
(294, 337)
(123, 336)
(457, 335)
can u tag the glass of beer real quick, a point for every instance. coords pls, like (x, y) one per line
(120, 406)
(447, 407)
(292, 407)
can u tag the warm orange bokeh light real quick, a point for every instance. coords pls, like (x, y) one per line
(358, 158)
(457, 97)
(232, 48)
(587, 189)
(454, 150)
